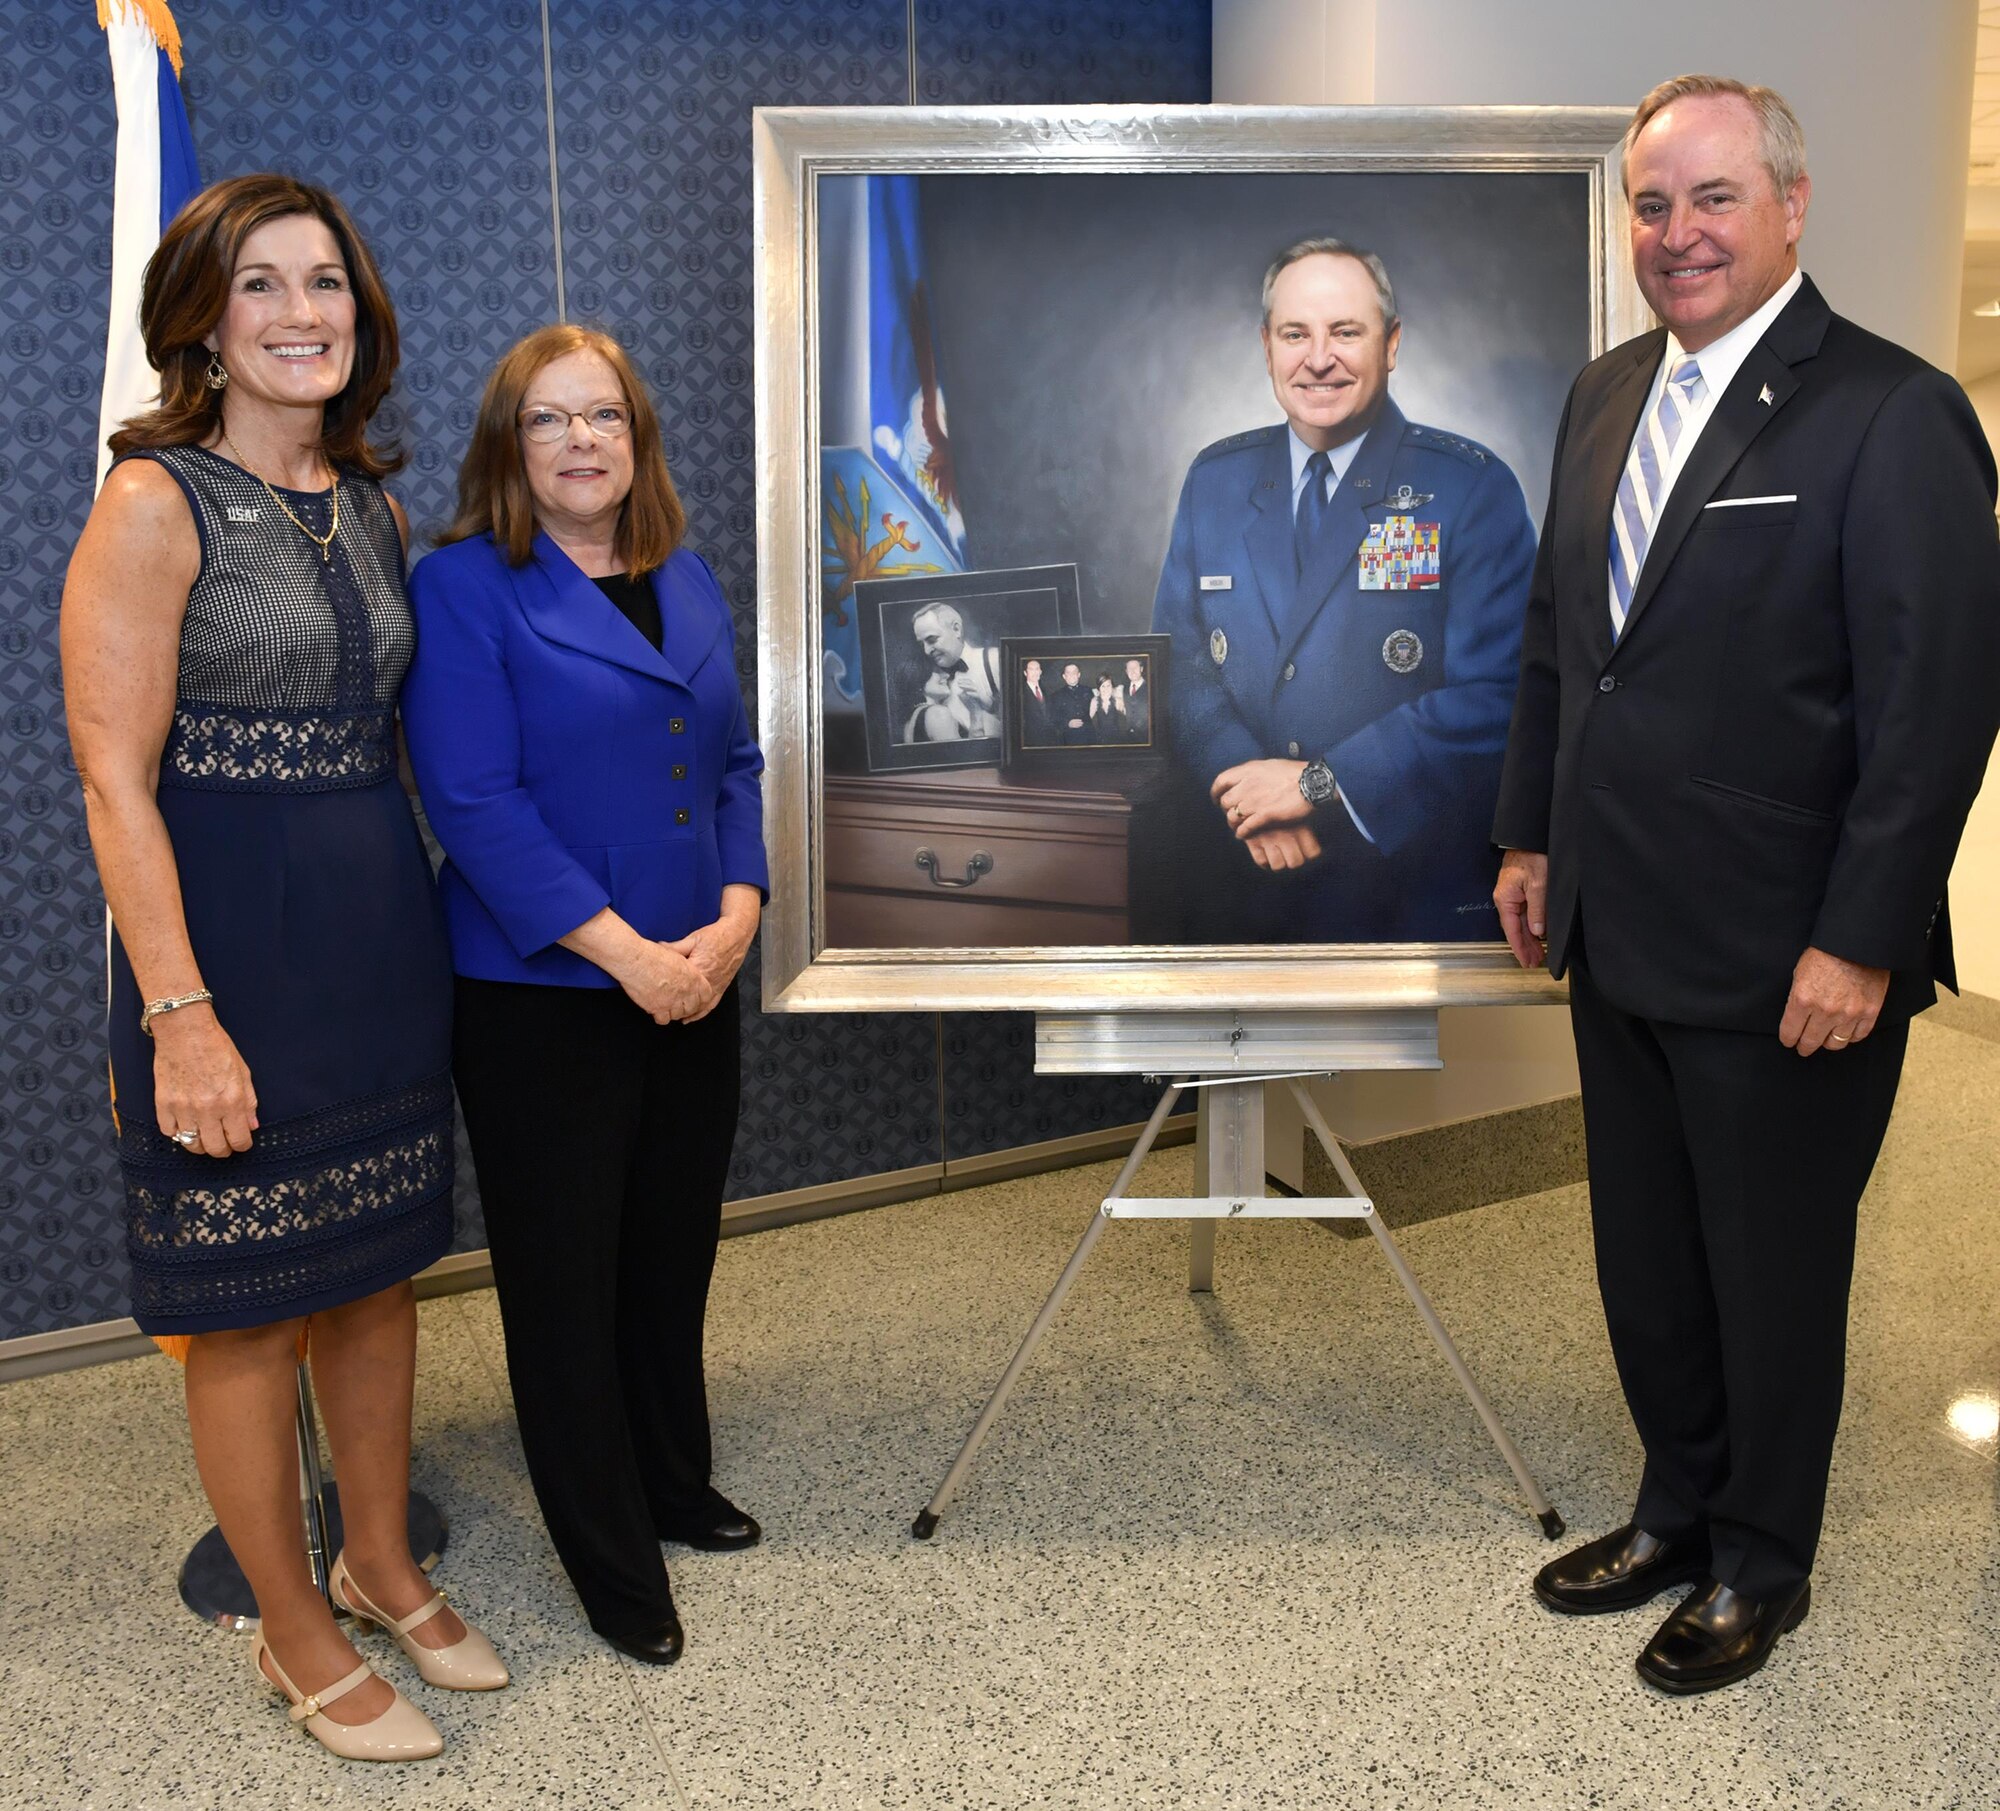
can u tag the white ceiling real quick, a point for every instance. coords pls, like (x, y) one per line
(1986, 99)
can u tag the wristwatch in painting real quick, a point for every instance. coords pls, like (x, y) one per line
(1316, 784)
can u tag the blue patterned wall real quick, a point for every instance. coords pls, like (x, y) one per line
(429, 118)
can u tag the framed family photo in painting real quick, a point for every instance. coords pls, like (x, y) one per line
(1079, 699)
(1278, 390)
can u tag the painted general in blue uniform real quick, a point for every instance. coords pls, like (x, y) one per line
(1345, 593)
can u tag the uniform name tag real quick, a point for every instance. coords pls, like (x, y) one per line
(1400, 553)
(1217, 581)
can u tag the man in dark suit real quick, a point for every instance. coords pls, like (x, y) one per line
(1034, 707)
(1069, 709)
(1758, 687)
(1138, 703)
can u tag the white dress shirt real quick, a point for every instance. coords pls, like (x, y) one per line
(1719, 361)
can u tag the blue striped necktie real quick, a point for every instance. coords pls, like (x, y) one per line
(1636, 513)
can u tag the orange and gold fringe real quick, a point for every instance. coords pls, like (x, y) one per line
(157, 19)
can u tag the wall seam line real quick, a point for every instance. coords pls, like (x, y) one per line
(555, 174)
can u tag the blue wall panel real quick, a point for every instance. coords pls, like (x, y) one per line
(62, 1254)
(429, 118)
(653, 108)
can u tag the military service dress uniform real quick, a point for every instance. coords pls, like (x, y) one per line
(1392, 657)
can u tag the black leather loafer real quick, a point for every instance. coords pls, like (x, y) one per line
(1619, 1571)
(656, 1647)
(720, 1527)
(1717, 1636)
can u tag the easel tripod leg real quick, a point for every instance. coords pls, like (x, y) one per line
(1545, 1512)
(926, 1523)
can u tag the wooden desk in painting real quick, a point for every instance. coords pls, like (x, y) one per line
(972, 858)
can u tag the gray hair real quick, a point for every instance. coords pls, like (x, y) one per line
(1385, 291)
(943, 612)
(1781, 140)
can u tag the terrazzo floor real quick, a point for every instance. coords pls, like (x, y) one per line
(1245, 1551)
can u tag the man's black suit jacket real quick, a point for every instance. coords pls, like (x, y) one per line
(1781, 748)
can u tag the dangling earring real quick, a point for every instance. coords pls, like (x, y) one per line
(215, 377)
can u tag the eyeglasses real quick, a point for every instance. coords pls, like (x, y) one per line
(608, 420)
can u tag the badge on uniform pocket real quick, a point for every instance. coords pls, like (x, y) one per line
(1218, 646)
(1403, 652)
(1399, 553)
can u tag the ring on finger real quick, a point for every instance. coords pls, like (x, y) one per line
(186, 1140)
(1834, 1037)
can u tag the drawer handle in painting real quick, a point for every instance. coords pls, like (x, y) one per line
(981, 863)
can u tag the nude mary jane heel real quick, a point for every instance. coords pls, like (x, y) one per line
(468, 1665)
(400, 1733)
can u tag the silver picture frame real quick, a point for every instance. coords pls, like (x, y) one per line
(793, 150)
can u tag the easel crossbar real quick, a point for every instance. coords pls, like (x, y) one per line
(1237, 1207)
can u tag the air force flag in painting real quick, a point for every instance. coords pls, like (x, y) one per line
(888, 498)
(906, 402)
(156, 175)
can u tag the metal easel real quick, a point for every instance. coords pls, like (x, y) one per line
(1226, 1059)
(213, 1585)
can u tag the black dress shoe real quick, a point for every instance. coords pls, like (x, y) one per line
(1619, 1571)
(717, 1527)
(656, 1647)
(1717, 1636)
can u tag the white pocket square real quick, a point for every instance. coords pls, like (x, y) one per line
(1739, 502)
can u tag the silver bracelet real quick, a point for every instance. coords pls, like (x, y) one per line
(155, 1007)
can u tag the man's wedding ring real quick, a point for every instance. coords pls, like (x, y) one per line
(1834, 1037)
(186, 1140)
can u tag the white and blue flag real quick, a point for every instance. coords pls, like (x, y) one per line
(156, 175)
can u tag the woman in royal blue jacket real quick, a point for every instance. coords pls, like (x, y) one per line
(585, 759)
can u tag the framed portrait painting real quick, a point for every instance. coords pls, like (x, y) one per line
(1242, 417)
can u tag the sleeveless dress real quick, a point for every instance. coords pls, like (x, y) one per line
(314, 920)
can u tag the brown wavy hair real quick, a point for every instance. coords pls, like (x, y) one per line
(187, 288)
(493, 494)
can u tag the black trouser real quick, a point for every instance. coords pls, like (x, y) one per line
(1725, 1171)
(602, 1144)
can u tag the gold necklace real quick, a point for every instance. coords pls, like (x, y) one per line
(323, 542)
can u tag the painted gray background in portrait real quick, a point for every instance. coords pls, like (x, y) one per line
(1096, 332)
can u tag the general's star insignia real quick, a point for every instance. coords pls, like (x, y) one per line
(1765, 397)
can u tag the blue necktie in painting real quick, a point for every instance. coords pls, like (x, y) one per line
(1637, 510)
(1309, 525)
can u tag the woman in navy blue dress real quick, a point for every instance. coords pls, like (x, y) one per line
(235, 634)
(579, 735)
